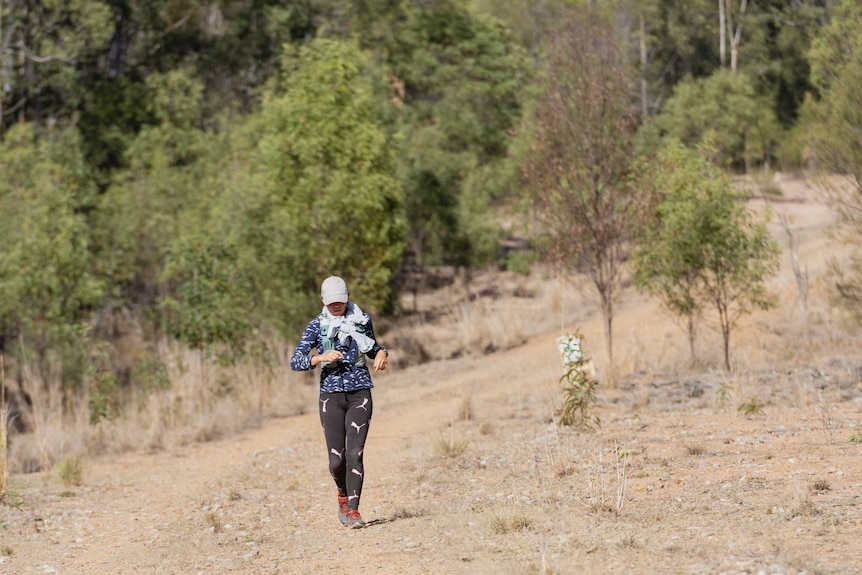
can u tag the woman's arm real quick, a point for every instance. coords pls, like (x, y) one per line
(300, 360)
(381, 360)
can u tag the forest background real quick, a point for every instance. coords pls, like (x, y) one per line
(177, 177)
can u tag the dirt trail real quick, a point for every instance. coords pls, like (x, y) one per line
(676, 480)
(268, 491)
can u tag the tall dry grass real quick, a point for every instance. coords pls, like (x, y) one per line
(206, 399)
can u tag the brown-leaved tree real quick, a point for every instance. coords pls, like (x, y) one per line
(579, 156)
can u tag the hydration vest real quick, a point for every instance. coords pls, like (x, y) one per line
(329, 342)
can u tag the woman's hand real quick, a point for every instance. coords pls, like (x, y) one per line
(330, 356)
(381, 360)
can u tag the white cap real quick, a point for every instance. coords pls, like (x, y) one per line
(333, 289)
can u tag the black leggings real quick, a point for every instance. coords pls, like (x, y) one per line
(345, 418)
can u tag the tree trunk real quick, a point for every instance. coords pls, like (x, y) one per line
(691, 337)
(608, 312)
(724, 319)
(2, 67)
(736, 34)
(643, 50)
(722, 42)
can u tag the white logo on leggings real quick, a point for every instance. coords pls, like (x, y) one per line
(340, 455)
(358, 427)
(364, 403)
(323, 401)
(354, 496)
(355, 471)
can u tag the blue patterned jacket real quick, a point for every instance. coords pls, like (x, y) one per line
(348, 373)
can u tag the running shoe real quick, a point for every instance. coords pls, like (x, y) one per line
(342, 509)
(354, 519)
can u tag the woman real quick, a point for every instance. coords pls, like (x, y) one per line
(343, 336)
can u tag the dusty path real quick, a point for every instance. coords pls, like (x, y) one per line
(263, 502)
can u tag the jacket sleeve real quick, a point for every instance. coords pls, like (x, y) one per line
(300, 360)
(369, 331)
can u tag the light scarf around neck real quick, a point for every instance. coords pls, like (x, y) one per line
(348, 325)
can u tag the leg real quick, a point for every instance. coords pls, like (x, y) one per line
(333, 407)
(357, 419)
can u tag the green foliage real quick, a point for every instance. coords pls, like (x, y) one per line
(149, 373)
(47, 284)
(702, 246)
(459, 77)
(169, 171)
(40, 46)
(782, 69)
(70, 470)
(579, 391)
(210, 294)
(668, 258)
(725, 109)
(103, 390)
(145, 208)
(329, 200)
(837, 45)
(751, 406)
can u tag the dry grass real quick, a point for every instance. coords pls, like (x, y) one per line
(70, 470)
(213, 519)
(608, 482)
(820, 486)
(465, 411)
(503, 522)
(449, 443)
(204, 401)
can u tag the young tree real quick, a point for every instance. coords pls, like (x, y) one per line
(666, 259)
(704, 248)
(579, 157)
(739, 256)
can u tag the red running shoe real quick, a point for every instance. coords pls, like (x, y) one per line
(354, 519)
(342, 509)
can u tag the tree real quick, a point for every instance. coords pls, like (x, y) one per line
(460, 77)
(835, 116)
(728, 30)
(149, 204)
(703, 248)
(47, 286)
(666, 259)
(739, 256)
(40, 46)
(741, 122)
(579, 157)
(328, 200)
(210, 293)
